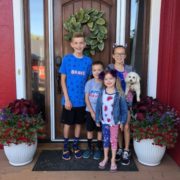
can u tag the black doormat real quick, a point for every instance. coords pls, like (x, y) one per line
(50, 160)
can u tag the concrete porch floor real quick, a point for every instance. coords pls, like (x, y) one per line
(167, 170)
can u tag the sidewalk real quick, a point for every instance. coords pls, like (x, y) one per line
(167, 170)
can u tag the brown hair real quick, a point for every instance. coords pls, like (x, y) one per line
(114, 74)
(118, 46)
(78, 35)
(98, 63)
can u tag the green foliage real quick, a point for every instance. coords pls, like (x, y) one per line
(93, 19)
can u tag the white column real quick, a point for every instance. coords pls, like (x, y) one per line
(153, 47)
(121, 22)
(51, 70)
(19, 48)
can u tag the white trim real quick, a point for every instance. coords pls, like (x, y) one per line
(19, 48)
(51, 70)
(121, 22)
(120, 39)
(153, 47)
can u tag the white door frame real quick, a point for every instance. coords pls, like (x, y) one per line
(120, 39)
(19, 45)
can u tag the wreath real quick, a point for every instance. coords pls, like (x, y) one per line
(92, 23)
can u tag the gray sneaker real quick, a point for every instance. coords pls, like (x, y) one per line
(126, 158)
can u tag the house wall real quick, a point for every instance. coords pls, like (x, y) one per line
(168, 83)
(168, 86)
(7, 60)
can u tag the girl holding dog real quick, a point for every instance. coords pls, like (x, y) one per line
(119, 56)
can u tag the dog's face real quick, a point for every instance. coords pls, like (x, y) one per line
(132, 78)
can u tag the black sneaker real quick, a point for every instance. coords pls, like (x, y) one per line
(119, 154)
(126, 158)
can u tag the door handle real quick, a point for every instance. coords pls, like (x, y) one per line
(58, 61)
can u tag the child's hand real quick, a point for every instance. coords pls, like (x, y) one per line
(98, 124)
(93, 115)
(121, 127)
(68, 105)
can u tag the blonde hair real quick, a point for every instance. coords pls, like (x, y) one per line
(119, 87)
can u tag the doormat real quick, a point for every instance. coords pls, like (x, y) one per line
(50, 160)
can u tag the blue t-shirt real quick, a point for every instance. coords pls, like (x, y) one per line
(77, 71)
(93, 88)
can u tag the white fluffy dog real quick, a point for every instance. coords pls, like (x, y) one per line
(133, 84)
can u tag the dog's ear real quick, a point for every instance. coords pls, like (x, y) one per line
(138, 78)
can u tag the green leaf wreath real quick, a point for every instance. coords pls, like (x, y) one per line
(91, 20)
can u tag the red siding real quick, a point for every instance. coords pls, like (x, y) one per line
(7, 60)
(168, 86)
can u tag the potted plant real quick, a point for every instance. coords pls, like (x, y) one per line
(20, 125)
(154, 128)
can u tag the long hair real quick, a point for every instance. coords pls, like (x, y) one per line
(119, 87)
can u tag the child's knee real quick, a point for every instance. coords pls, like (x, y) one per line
(127, 127)
(106, 144)
(114, 143)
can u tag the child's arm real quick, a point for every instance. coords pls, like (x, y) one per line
(88, 104)
(68, 104)
(98, 111)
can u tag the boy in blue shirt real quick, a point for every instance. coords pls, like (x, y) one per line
(75, 70)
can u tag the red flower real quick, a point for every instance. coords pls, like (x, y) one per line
(151, 119)
(20, 122)
(140, 116)
(142, 108)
